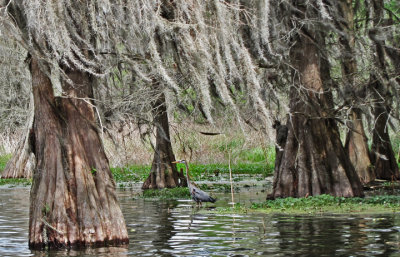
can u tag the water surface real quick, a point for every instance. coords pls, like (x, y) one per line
(177, 228)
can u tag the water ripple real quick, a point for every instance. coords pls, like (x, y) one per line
(177, 228)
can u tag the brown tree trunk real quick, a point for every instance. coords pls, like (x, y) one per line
(21, 163)
(73, 199)
(382, 153)
(314, 161)
(356, 147)
(163, 173)
(356, 141)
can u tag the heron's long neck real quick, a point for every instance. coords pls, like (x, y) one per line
(187, 174)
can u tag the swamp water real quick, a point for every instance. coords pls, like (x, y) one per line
(178, 228)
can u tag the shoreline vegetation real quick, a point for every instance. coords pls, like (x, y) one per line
(198, 172)
(385, 199)
(327, 204)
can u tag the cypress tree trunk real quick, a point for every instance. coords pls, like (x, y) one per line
(163, 173)
(382, 153)
(314, 161)
(73, 199)
(357, 147)
(356, 141)
(23, 161)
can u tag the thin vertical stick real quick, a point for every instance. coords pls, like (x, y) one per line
(230, 169)
(230, 176)
(398, 155)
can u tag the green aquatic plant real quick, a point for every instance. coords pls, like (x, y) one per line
(209, 172)
(201, 171)
(328, 203)
(131, 173)
(225, 188)
(167, 193)
(321, 204)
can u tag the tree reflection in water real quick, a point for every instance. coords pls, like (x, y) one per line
(335, 235)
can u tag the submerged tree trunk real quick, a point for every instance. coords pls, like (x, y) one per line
(23, 160)
(314, 161)
(356, 141)
(73, 199)
(382, 153)
(163, 173)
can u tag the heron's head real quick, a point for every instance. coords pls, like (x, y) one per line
(179, 161)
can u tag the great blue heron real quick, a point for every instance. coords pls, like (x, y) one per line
(197, 194)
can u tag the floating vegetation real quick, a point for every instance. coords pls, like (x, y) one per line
(132, 173)
(204, 172)
(225, 188)
(322, 204)
(212, 172)
(167, 193)
(328, 203)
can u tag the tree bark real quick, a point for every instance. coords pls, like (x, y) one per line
(163, 172)
(73, 199)
(382, 154)
(314, 161)
(281, 137)
(356, 147)
(356, 140)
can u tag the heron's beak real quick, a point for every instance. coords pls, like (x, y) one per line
(175, 162)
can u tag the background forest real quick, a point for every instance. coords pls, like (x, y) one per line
(308, 88)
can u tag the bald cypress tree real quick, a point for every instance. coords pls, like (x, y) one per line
(73, 198)
(163, 172)
(16, 106)
(356, 140)
(313, 161)
(382, 152)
